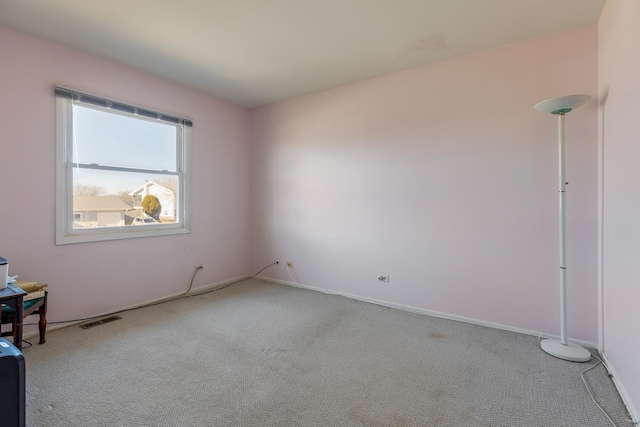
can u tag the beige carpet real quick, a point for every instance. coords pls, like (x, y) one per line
(261, 354)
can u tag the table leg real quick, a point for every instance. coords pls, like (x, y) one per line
(42, 324)
(17, 340)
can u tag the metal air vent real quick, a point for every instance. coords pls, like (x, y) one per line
(100, 322)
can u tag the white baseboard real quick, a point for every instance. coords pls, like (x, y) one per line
(194, 292)
(635, 416)
(431, 313)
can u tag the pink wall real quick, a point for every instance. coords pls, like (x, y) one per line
(444, 178)
(619, 86)
(91, 278)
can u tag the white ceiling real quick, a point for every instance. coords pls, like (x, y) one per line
(255, 52)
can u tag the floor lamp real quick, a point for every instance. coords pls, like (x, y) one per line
(562, 348)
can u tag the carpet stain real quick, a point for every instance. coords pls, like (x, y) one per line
(273, 350)
(46, 408)
(371, 421)
(438, 394)
(435, 336)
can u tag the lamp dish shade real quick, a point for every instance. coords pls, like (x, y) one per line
(563, 104)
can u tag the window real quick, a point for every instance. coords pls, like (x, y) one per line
(122, 170)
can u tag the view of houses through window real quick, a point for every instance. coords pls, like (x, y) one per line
(93, 207)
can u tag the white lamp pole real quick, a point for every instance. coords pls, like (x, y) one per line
(562, 348)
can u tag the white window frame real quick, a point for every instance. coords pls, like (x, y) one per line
(65, 233)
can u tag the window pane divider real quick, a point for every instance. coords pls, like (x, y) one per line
(96, 166)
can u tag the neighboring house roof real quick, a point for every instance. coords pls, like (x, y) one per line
(98, 204)
(167, 186)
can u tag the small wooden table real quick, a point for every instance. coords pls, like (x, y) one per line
(12, 297)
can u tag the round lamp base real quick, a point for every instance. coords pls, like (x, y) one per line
(571, 352)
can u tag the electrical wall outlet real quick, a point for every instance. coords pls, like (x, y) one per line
(289, 264)
(383, 278)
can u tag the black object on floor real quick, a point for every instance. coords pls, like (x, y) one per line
(12, 385)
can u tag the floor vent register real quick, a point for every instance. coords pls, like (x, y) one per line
(100, 322)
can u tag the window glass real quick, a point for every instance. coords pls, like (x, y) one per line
(111, 138)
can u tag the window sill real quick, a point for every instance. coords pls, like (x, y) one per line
(114, 234)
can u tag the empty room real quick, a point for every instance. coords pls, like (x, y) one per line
(319, 213)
